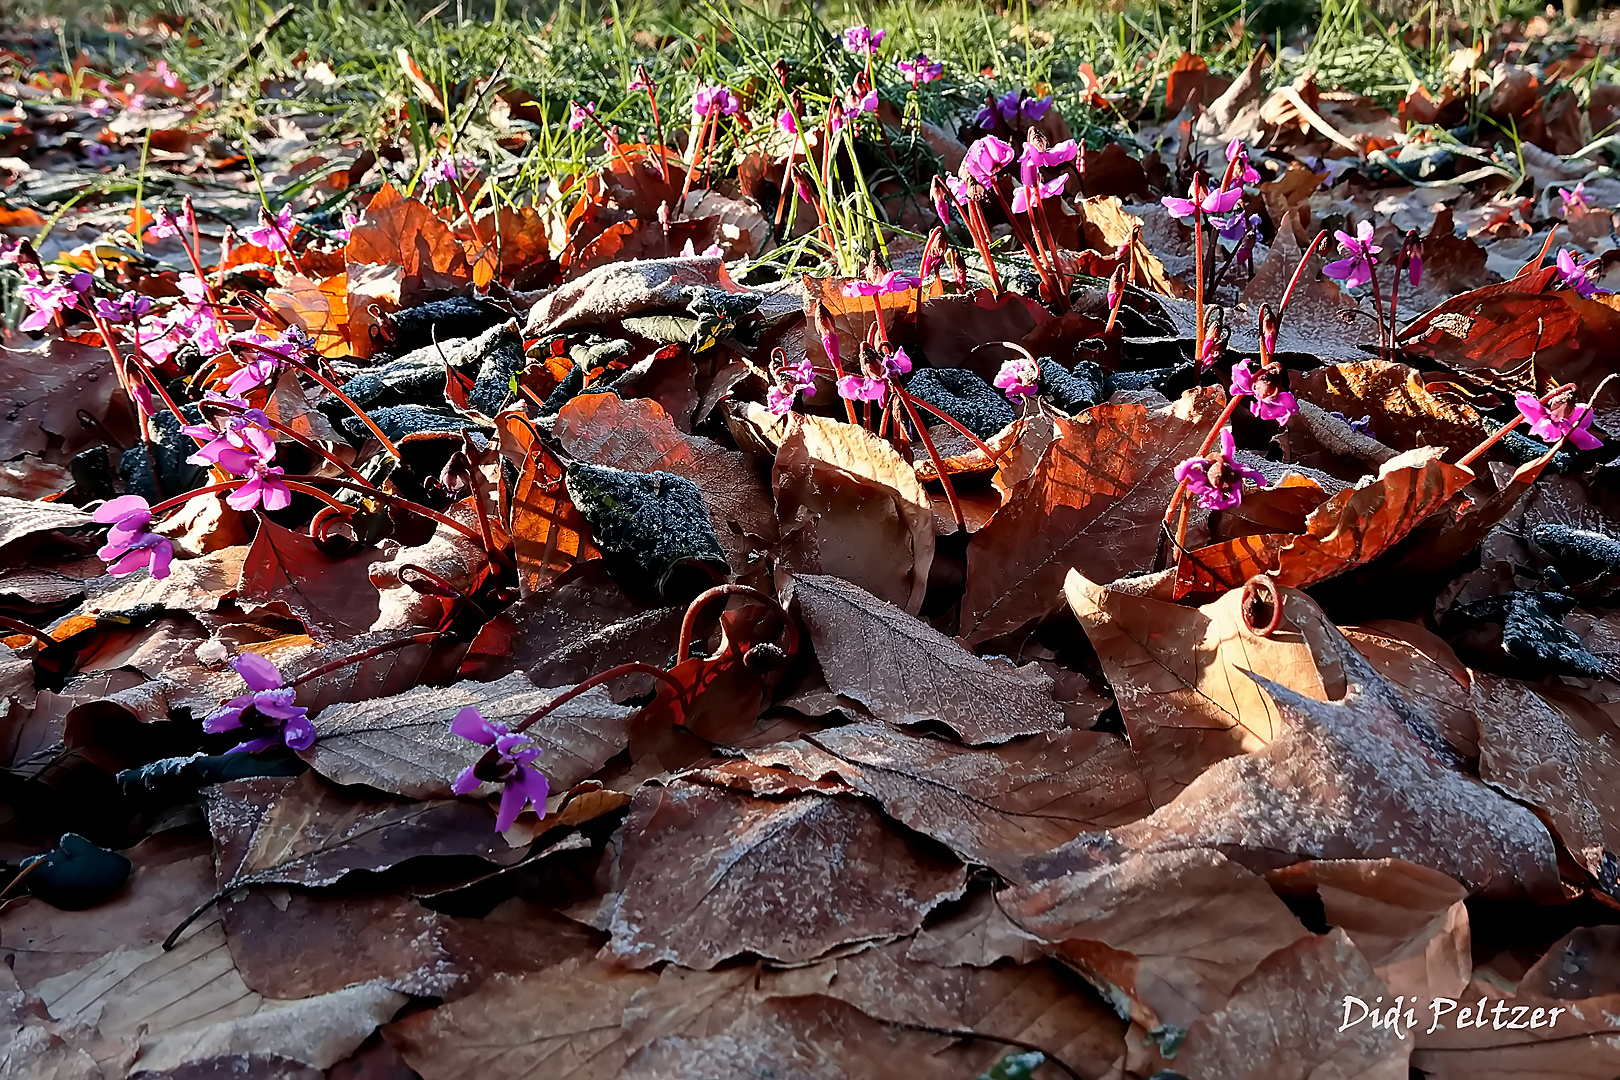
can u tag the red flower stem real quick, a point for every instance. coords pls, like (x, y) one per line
(908, 399)
(475, 482)
(318, 494)
(697, 149)
(1035, 260)
(1198, 271)
(1495, 438)
(1546, 249)
(310, 444)
(32, 631)
(337, 392)
(634, 667)
(286, 242)
(1378, 305)
(683, 649)
(168, 401)
(939, 462)
(981, 240)
(1394, 299)
(376, 650)
(370, 492)
(1304, 261)
(658, 126)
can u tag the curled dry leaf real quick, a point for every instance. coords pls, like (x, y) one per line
(906, 672)
(1094, 502)
(867, 516)
(1405, 413)
(704, 874)
(1175, 672)
(403, 745)
(1362, 777)
(1410, 922)
(1351, 529)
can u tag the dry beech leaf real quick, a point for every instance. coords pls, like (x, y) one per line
(333, 598)
(1351, 529)
(1405, 413)
(1428, 673)
(997, 808)
(25, 517)
(704, 874)
(1578, 1043)
(979, 935)
(561, 1022)
(871, 518)
(403, 745)
(1094, 502)
(1410, 922)
(1363, 777)
(190, 1004)
(637, 435)
(1174, 673)
(404, 233)
(1283, 1021)
(1559, 761)
(906, 672)
(549, 534)
(1166, 934)
(303, 831)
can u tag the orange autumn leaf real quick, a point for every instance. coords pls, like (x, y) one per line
(397, 231)
(1351, 529)
(549, 534)
(321, 308)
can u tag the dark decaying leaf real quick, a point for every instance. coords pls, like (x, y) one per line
(76, 874)
(906, 672)
(649, 524)
(305, 832)
(331, 597)
(704, 874)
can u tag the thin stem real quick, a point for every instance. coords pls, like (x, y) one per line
(310, 444)
(683, 649)
(1198, 272)
(634, 667)
(337, 392)
(1288, 293)
(388, 646)
(24, 628)
(949, 419)
(1378, 305)
(939, 463)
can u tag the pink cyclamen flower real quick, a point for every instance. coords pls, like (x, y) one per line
(857, 102)
(48, 301)
(127, 307)
(921, 70)
(1575, 201)
(579, 114)
(168, 78)
(241, 446)
(272, 233)
(266, 712)
(1018, 377)
(1237, 153)
(1014, 110)
(1035, 156)
(985, 158)
(509, 762)
(265, 487)
(862, 39)
(640, 83)
(876, 371)
(1559, 418)
(1025, 195)
(130, 542)
(890, 281)
(1217, 479)
(1270, 400)
(788, 122)
(1356, 268)
(791, 381)
(690, 251)
(709, 99)
(1210, 203)
(1573, 275)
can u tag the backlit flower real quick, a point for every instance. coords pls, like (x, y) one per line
(508, 762)
(1014, 110)
(791, 380)
(985, 158)
(130, 542)
(243, 443)
(1018, 377)
(48, 301)
(1356, 268)
(877, 368)
(862, 39)
(1573, 275)
(264, 487)
(709, 99)
(1024, 196)
(579, 114)
(1237, 157)
(890, 281)
(1559, 418)
(1265, 387)
(1217, 479)
(1206, 202)
(272, 232)
(267, 712)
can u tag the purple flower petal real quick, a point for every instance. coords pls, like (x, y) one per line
(257, 672)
